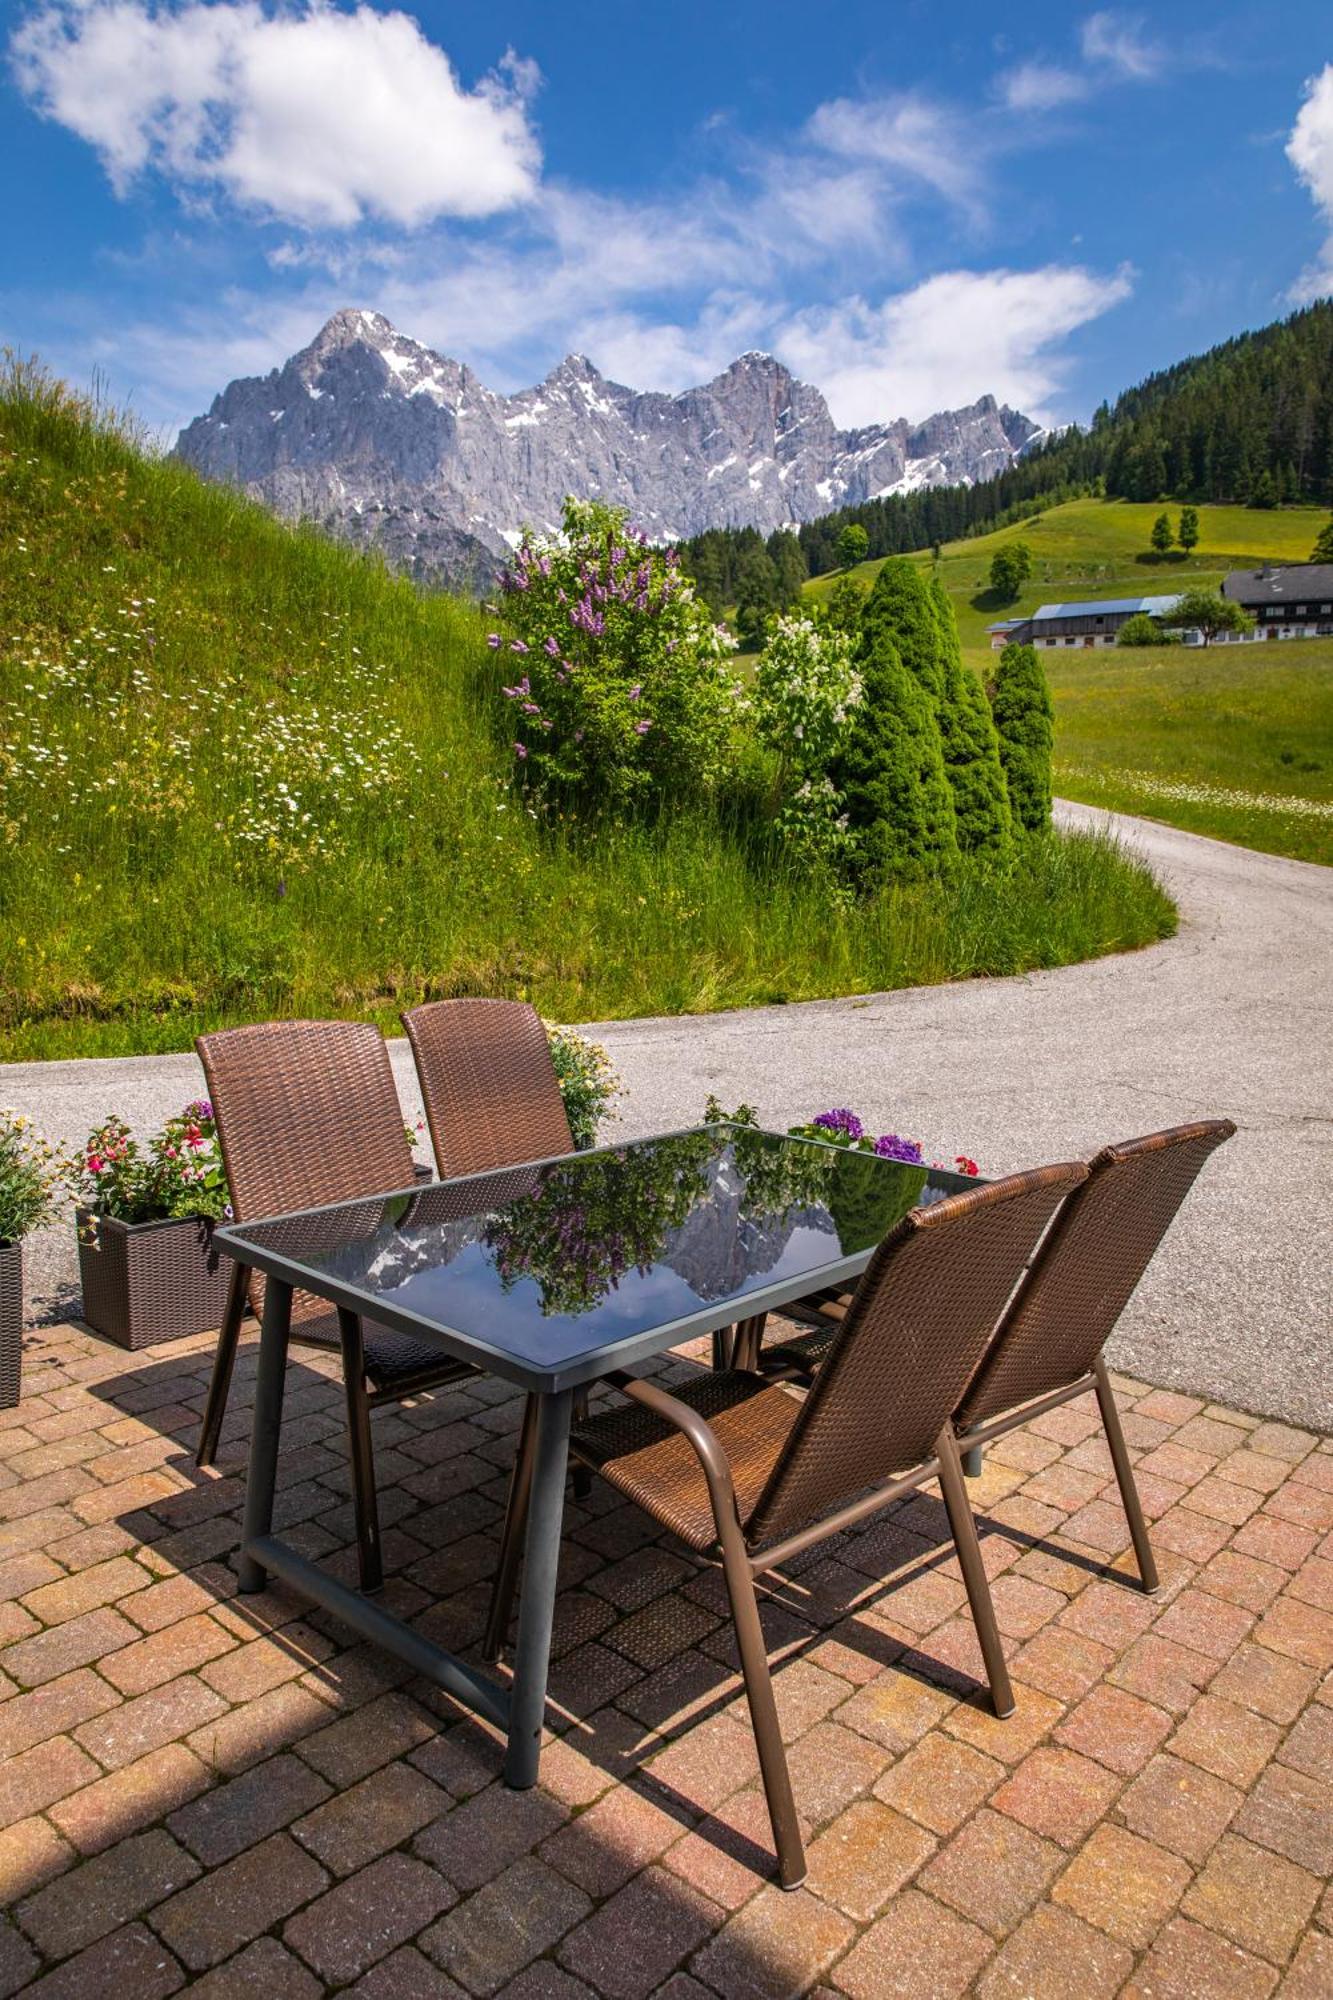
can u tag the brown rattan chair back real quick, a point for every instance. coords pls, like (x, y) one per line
(921, 1319)
(1081, 1280)
(489, 1085)
(306, 1112)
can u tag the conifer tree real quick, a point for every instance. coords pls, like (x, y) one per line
(1322, 552)
(1024, 717)
(1187, 534)
(1162, 538)
(971, 746)
(890, 770)
(903, 599)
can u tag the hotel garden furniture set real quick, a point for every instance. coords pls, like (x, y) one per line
(938, 1312)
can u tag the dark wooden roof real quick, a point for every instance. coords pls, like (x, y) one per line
(1289, 583)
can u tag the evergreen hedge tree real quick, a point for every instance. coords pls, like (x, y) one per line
(890, 770)
(903, 598)
(1024, 718)
(971, 745)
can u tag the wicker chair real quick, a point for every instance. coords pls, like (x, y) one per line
(490, 1088)
(307, 1113)
(1048, 1346)
(749, 1472)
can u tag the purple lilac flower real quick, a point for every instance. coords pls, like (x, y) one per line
(891, 1147)
(520, 749)
(531, 708)
(642, 728)
(518, 645)
(841, 1121)
(551, 646)
(492, 640)
(636, 691)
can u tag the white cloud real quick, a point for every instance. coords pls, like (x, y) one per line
(1039, 86)
(317, 116)
(948, 341)
(1310, 150)
(1118, 42)
(912, 137)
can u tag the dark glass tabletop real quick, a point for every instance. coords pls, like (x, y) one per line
(552, 1273)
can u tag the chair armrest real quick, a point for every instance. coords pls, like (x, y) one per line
(697, 1433)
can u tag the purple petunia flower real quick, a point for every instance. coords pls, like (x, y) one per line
(841, 1121)
(891, 1147)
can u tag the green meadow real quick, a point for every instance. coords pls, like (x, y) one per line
(245, 772)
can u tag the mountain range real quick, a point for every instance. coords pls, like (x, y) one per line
(386, 442)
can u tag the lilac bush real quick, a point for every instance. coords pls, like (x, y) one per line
(617, 676)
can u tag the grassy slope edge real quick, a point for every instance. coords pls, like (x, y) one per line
(245, 772)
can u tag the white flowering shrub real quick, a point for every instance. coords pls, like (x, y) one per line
(806, 688)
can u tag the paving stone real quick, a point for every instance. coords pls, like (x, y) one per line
(239, 1901)
(1058, 1793)
(1190, 1963)
(1179, 1806)
(1309, 1747)
(865, 1856)
(1254, 1898)
(99, 1895)
(263, 1970)
(1123, 1885)
(131, 1729)
(131, 1962)
(35, 1780)
(629, 1946)
(614, 1839)
(364, 1918)
(1006, 1738)
(357, 1744)
(1282, 1441)
(234, 1739)
(993, 1871)
(1119, 1729)
(940, 1782)
(407, 1975)
(1285, 1544)
(1270, 1683)
(1226, 1739)
(234, 1816)
(1164, 1672)
(1062, 1663)
(774, 1948)
(94, 1636)
(1204, 1624)
(1311, 1974)
(830, 1766)
(510, 1921)
(130, 1798)
(1293, 1815)
(916, 1948)
(1302, 1631)
(1052, 1955)
(105, 1583)
(895, 1710)
(478, 1839)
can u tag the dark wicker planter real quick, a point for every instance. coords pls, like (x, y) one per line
(11, 1322)
(150, 1281)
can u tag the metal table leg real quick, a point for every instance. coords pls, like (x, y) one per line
(536, 1609)
(269, 1385)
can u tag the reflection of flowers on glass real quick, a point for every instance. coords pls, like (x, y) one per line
(594, 1220)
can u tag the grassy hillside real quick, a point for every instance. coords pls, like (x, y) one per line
(1230, 742)
(245, 772)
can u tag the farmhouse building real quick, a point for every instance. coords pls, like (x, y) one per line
(1093, 624)
(1293, 601)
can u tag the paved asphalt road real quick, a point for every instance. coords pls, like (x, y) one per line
(1234, 1016)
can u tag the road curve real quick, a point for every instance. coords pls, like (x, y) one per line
(1233, 1016)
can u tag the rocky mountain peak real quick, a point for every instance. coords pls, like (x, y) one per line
(379, 436)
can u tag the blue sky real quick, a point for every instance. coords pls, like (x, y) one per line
(911, 204)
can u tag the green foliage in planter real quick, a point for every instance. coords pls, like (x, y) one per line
(1024, 716)
(31, 1171)
(178, 1174)
(971, 746)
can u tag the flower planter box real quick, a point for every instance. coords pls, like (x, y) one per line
(150, 1281)
(11, 1323)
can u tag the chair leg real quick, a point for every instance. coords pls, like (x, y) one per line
(763, 1709)
(224, 1361)
(964, 1530)
(361, 1454)
(511, 1539)
(1124, 1472)
(749, 1341)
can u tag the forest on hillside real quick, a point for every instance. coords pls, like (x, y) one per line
(1250, 421)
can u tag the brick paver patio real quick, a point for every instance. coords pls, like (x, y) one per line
(202, 1790)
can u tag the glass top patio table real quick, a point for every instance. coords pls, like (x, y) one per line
(552, 1273)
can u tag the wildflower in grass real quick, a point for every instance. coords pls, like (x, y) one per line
(520, 749)
(493, 640)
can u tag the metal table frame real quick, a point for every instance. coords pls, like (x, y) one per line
(518, 1709)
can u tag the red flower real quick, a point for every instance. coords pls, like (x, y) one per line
(964, 1165)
